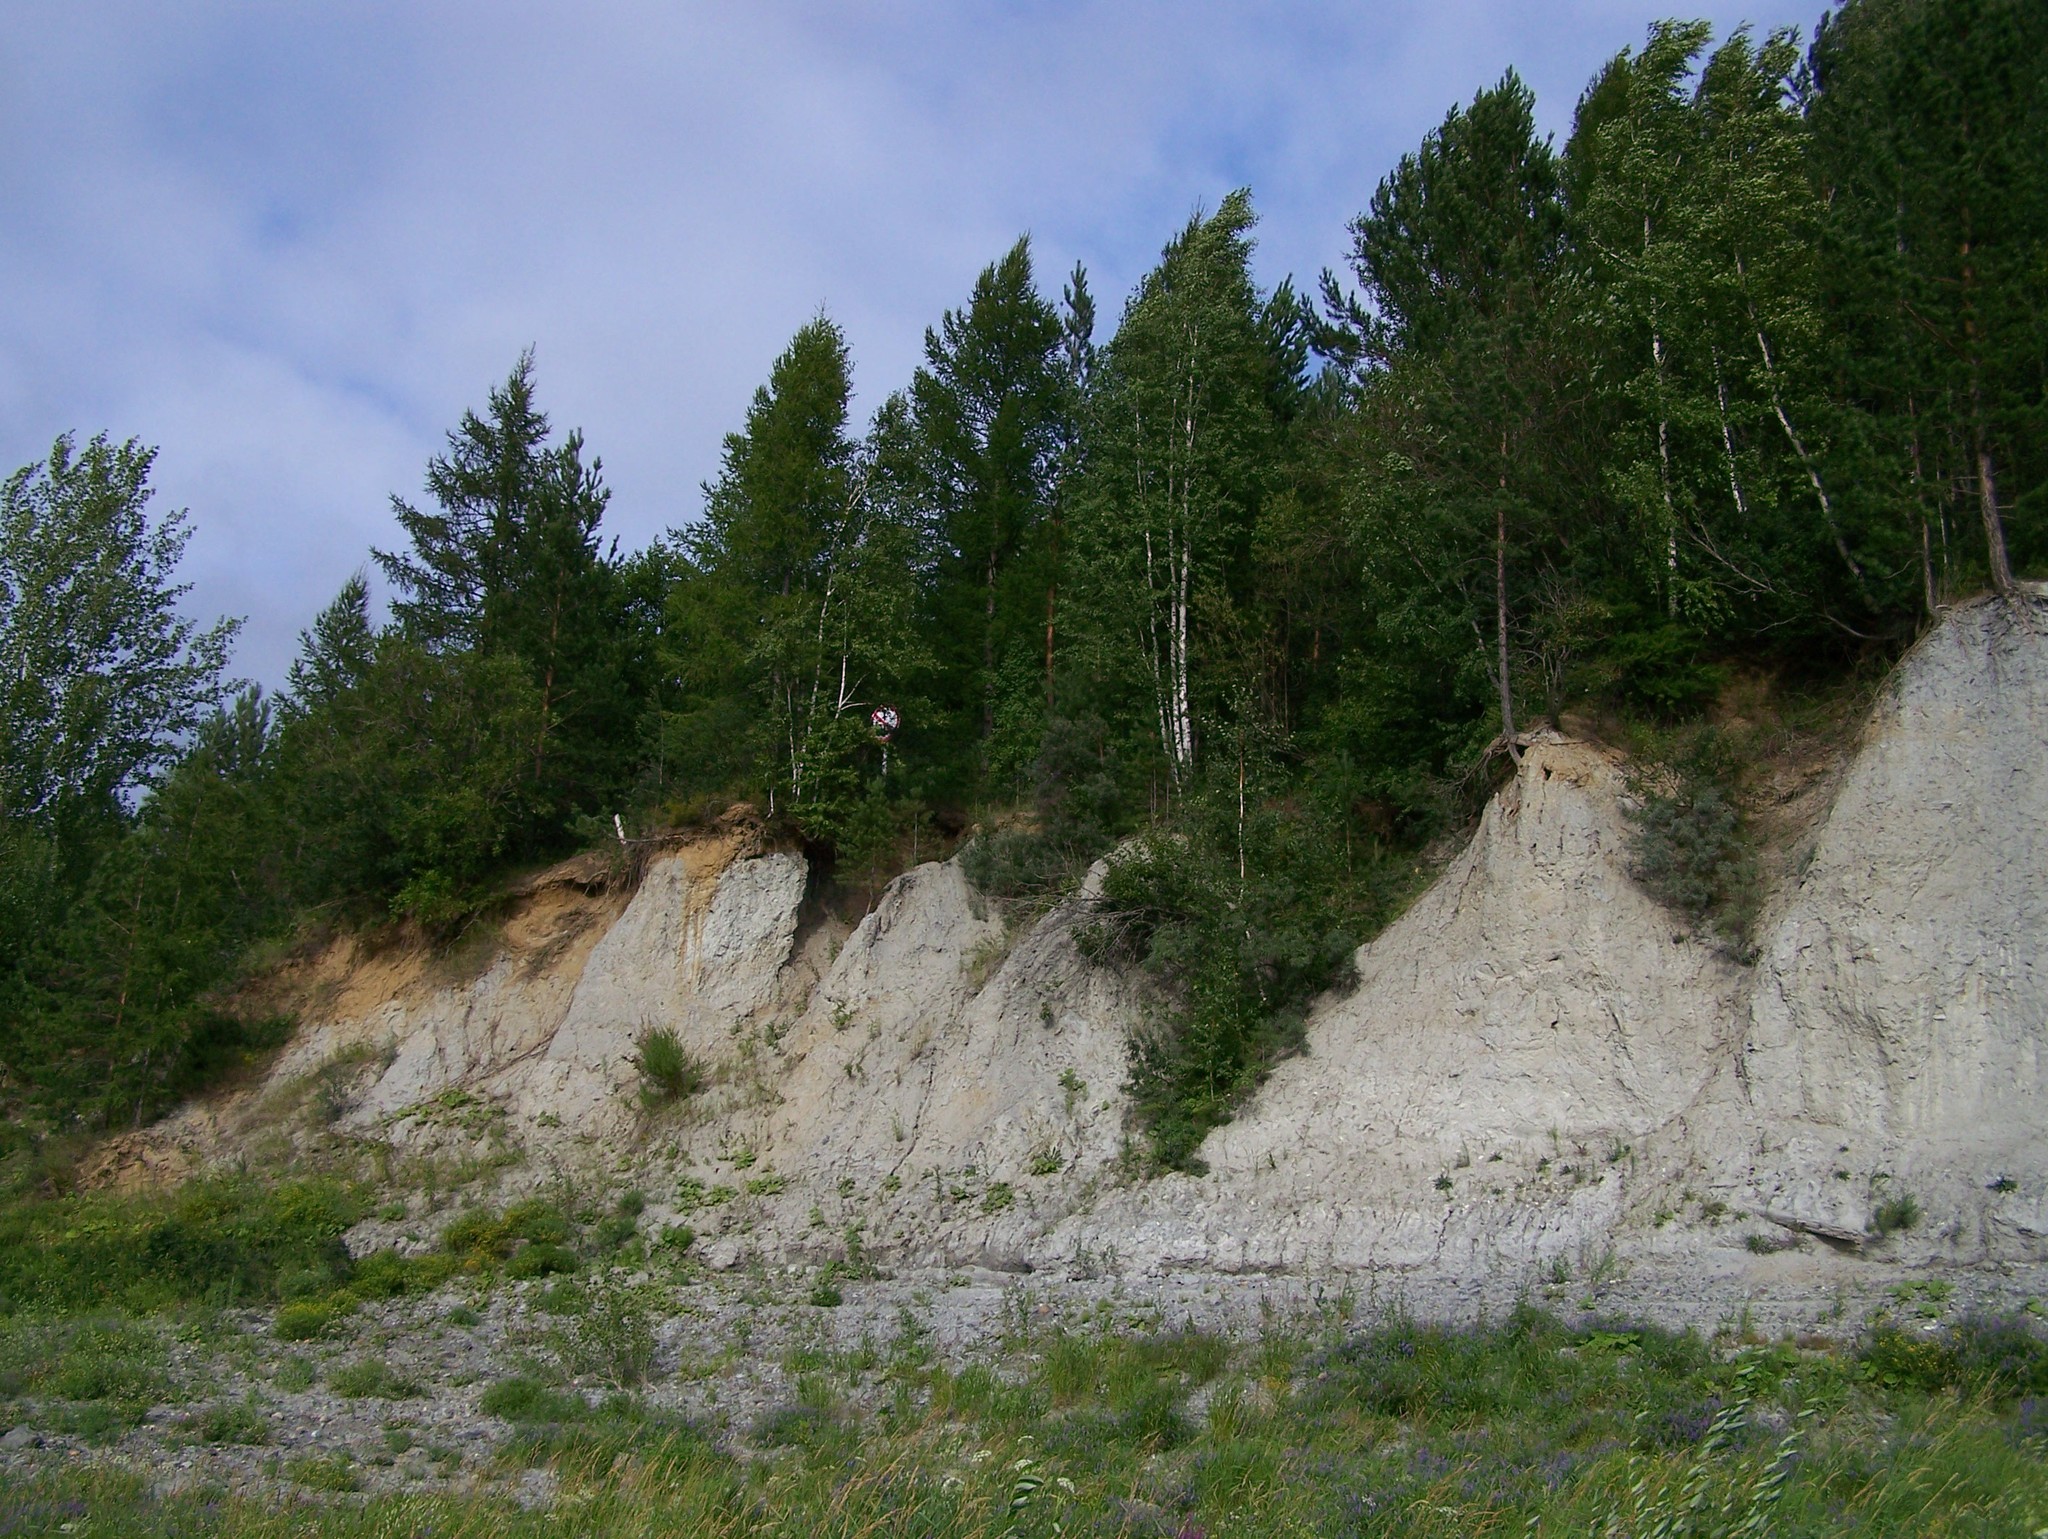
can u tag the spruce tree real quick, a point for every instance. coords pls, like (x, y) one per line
(985, 420)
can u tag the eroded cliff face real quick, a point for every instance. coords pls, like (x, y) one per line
(1898, 1019)
(1466, 1106)
(1537, 1064)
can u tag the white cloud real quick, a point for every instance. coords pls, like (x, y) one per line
(291, 245)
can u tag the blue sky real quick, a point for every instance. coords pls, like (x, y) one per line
(290, 243)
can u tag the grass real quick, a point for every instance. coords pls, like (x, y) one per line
(231, 1240)
(1524, 1427)
(667, 1071)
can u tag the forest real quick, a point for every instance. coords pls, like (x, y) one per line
(1749, 374)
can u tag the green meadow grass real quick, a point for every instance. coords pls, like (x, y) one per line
(1528, 1426)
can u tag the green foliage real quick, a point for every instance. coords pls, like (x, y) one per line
(1896, 1214)
(2002, 1359)
(480, 1238)
(667, 1071)
(370, 1378)
(309, 1319)
(529, 1400)
(612, 1337)
(102, 674)
(1688, 843)
(1748, 378)
(87, 1358)
(1526, 1425)
(237, 1422)
(224, 1240)
(973, 449)
(1242, 912)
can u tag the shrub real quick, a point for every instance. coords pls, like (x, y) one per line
(613, 1337)
(667, 1071)
(308, 1318)
(480, 1236)
(384, 1274)
(1999, 1358)
(542, 1260)
(1688, 840)
(1659, 667)
(1241, 914)
(238, 1422)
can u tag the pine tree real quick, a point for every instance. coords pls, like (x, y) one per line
(1458, 257)
(336, 654)
(804, 578)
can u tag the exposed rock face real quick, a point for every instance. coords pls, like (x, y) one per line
(1534, 1008)
(1899, 1019)
(1537, 1062)
(694, 952)
(1537, 1065)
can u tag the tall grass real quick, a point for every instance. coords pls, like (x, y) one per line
(1524, 1427)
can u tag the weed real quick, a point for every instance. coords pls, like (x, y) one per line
(230, 1240)
(527, 1399)
(541, 1260)
(1896, 1214)
(324, 1472)
(613, 1336)
(999, 1198)
(111, 1364)
(667, 1071)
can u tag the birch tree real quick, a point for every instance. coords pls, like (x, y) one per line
(1183, 434)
